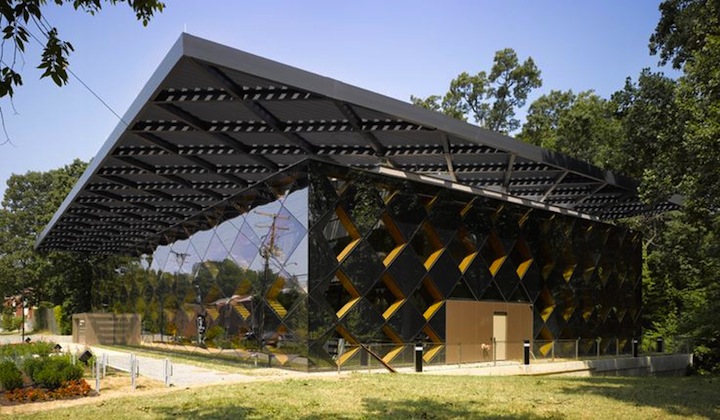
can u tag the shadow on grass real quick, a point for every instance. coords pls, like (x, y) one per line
(424, 408)
(224, 411)
(373, 408)
(680, 396)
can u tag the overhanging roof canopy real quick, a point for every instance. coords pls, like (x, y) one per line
(213, 120)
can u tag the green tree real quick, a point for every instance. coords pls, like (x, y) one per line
(490, 99)
(543, 118)
(28, 205)
(683, 29)
(651, 121)
(66, 279)
(583, 126)
(22, 20)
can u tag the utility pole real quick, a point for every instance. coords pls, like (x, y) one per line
(267, 251)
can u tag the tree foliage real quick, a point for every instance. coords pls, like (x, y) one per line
(24, 21)
(665, 133)
(582, 126)
(684, 28)
(490, 99)
(63, 278)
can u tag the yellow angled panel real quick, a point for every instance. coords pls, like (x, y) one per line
(275, 288)
(277, 307)
(545, 348)
(430, 354)
(347, 249)
(347, 307)
(432, 258)
(392, 354)
(545, 314)
(523, 268)
(392, 254)
(432, 309)
(213, 313)
(347, 355)
(242, 310)
(567, 273)
(392, 308)
(465, 263)
(495, 266)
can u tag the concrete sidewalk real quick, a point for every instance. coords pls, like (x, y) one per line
(181, 374)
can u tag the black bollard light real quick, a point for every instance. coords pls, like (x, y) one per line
(635, 347)
(526, 348)
(418, 357)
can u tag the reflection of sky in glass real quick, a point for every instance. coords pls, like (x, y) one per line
(241, 239)
(246, 246)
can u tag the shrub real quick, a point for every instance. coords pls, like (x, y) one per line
(52, 372)
(63, 321)
(10, 322)
(32, 365)
(10, 376)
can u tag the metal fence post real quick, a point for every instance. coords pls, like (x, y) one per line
(598, 340)
(134, 369)
(494, 352)
(168, 371)
(97, 375)
(552, 350)
(577, 348)
(104, 364)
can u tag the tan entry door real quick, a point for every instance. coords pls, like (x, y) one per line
(500, 334)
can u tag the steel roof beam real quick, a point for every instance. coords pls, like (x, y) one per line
(254, 106)
(508, 170)
(204, 127)
(555, 184)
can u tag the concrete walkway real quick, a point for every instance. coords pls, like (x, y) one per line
(181, 375)
(185, 375)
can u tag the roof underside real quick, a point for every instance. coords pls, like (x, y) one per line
(213, 121)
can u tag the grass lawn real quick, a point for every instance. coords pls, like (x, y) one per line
(421, 396)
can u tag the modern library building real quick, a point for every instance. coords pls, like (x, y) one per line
(273, 210)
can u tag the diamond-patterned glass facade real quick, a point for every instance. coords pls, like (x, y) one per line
(323, 254)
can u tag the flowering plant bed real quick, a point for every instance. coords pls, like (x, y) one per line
(68, 390)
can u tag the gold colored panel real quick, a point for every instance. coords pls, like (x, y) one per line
(347, 307)
(432, 258)
(393, 254)
(278, 308)
(523, 268)
(392, 308)
(347, 355)
(465, 263)
(344, 253)
(495, 266)
(432, 309)
(392, 354)
(430, 354)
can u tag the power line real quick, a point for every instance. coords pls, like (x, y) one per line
(72, 73)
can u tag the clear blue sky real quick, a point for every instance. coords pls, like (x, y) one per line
(396, 48)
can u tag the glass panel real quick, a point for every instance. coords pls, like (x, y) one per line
(246, 247)
(363, 267)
